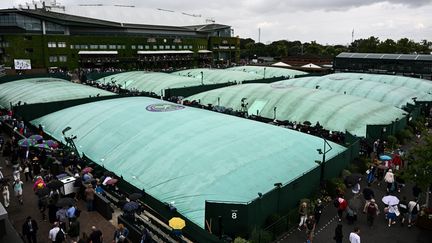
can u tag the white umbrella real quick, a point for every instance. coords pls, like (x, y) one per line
(390, 200)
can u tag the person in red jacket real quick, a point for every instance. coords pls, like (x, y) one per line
(342, 206)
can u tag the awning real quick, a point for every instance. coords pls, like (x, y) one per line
(98, 52)
(204, 51)
(163, 52)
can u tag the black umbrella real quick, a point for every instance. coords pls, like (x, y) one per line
(109, 173)
(66, 201)
(352, 179)
(130, 206)
(307, 123)
(135, 196)
(43, 192)
(55, 184)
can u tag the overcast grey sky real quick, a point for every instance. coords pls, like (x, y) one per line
(325, 21)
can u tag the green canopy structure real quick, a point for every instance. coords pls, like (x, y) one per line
(385, 93)
(44, 90)
(149, 81)
(183, 155)
(335, 112)
(418, 84)
(269, 72)
(218, 76)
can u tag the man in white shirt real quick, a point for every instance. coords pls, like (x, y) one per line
(53, 232)
(354, 237)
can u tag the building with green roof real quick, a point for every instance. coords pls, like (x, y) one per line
(192, 158)
(44, 90)
(153, 82)
(39, 39)
(269, 72)
(217, 76)
(385, 93)
(334, 111)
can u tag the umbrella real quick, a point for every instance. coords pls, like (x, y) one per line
(42, 146)
(50, 143)
(35, 137)
(353, 179)
(130, 206)
(111, 181)
(55, 184)
(135, 196)
(307, 123)
(87, 169)
(177, 223)
(43, 192)
(26, 142)
(385, 157)
(66, 201)
(390, 200)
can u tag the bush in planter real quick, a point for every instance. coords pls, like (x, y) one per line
(334, 186)
(392, 141)
(240, 240)
(403, 135)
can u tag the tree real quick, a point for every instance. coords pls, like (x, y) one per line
(420, 165)
(387, 46)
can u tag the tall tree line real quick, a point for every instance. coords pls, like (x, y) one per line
(282, 48)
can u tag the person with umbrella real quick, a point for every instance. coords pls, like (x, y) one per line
(393, 211)
(129, 210)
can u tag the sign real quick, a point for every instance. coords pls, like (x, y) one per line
(22, 64)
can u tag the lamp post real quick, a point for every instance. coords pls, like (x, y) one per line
(202, 78)
(218, 101)
(322, 162)
(274, 113)
(264, 73)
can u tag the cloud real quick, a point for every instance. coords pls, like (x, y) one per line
(326, 21)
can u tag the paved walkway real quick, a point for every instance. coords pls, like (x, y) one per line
(18, 213)
(380, 232)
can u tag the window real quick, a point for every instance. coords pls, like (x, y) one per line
(4, 44)
(119, 47)
(72, 47)
(167, 47)
(133, 47)
(52, 58)
(180, 47)
(190, 47)
(147, 47)
(102, 46)
(161, 47)
(61, 44)
(173, 47)
(140, 47)
(94, 46)
(62, 58)
(154, 47)
(112, 47)
(52, 45)
(185, 47)
(84, 46)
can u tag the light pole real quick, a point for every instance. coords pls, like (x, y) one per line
(218, 101)
(202, 78)
(274, 113)
(322, 162)
(264, 73)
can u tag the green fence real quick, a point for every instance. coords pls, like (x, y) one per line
(240, 218)
(374, 132)
(188, 91)
(32, 111)
(96, 75)
(267, 80)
